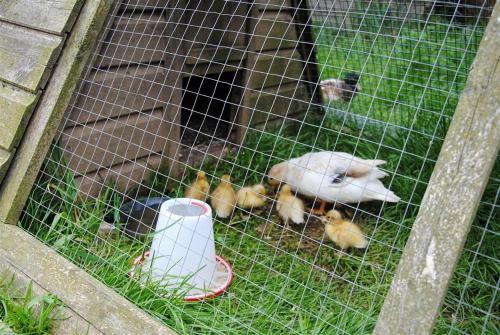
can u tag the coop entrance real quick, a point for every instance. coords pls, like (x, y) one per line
(208, 107)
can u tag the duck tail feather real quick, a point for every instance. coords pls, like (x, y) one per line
(387, 196)
(376, 162)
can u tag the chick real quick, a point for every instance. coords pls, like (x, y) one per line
(223, 198)
(342, 232)
(199, 189)
(289, 206)
(251, 196)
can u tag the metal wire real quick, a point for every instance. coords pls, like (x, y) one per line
(232, 87)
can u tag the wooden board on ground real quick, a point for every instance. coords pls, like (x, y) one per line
(53, 16)
(26, 56)
(103, 308)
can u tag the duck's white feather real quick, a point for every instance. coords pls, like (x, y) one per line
(337, 176)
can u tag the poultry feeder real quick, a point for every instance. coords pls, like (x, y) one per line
(182, 254)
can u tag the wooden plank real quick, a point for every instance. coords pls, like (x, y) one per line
(5, 158)
(16, 106)
(213, 60)
(204, 69)
(118, 91)
(53, 16)
(274, 31)
(232, 23)
(140, 6)
(102, 307)
(109, 142)
(270, 5)
(44, 122)
(26, 56)
(89, 185)
(134, 38)
(242, 115)
(174, 60)
(277, 102)
(214, 23)
(274, 68)
(220, 54)
(450, 202)
(129, 175)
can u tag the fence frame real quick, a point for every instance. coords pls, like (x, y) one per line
(437, 237)
(451, 200)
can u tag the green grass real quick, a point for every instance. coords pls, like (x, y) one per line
(23, 311)
(281, 287)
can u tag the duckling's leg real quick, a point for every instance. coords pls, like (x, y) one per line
(321, 210)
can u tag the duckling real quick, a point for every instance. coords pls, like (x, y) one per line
(289, 206)
(333, 177)
(223, 198)
(343, 233)
(199, 189)
(251, 196)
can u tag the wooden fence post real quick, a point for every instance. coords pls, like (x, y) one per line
(451, 200)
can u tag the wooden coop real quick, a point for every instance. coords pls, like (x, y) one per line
(167, 84)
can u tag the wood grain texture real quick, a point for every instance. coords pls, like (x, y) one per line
(213, 23)
(53, 16)
(89, 185)
(43, 124)
(174, 60)
(140, 6)
(129, 175)
(451, 199)
(272, 4)
(103, 308)
(110, 142)
(274, 68)
(274, 31)
(5, 157)
(133, 38)
(118, 91)
(16, 106)
(276, 102)
(26, 56)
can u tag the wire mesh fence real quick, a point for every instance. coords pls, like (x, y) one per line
(240, 88)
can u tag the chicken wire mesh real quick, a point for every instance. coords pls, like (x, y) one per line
(232, 88)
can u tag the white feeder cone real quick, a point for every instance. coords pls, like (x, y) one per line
(183, 248)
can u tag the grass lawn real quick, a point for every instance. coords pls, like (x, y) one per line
(24, 312)
(289, 281)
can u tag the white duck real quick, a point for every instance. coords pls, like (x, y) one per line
(333, 176)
